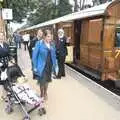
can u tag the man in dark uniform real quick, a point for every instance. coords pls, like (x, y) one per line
(32, 44)
(33, 41)
(61, 52)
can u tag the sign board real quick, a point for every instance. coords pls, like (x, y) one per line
(7, 14)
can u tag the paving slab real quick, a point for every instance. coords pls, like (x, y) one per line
(68, 99)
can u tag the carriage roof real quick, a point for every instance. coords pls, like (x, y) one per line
(90, 12)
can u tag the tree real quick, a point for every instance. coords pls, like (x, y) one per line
(47, 9)
(20, 8)
(37, 11)
(76, 6)
(64, 7)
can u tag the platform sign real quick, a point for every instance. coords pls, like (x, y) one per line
(7, 14)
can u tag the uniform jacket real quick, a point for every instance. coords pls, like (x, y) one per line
(32, 45)
(39, 57)
(61, 48)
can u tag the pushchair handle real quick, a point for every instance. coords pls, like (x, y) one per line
(1, 64)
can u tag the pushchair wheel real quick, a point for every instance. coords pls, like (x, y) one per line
(40, 112)
(26, 118)
(43, 111)
(8, 109)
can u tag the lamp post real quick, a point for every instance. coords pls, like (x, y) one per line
(7, 21)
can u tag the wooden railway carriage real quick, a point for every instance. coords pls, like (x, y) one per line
(95, 37)
(98, 38)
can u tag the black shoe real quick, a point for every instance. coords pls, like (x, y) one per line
(58, 77)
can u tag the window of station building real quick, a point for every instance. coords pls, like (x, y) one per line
(117, 40)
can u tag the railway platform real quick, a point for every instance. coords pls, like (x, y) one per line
(72, 98)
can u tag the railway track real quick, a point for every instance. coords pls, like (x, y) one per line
(110, 97)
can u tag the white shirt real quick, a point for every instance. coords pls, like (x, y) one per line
(48, 45)
(26, 37)
(1, 44)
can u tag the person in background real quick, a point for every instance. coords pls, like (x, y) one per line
(61, 52)
(4, 59)
(26, 39)
(4, 51)
(44, 59)
(34, 40)
(32, 46)
(18, 39)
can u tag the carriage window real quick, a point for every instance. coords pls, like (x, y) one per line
(117, 44)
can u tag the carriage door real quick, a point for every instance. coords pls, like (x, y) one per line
(77, 31)
(117, 50)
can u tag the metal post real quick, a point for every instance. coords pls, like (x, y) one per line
(7, 21)
(2, 25)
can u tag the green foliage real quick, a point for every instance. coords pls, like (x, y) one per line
(64, 7)
(0, 5)
(44, 11)
(20, 8)
(37, 11)
(47, 10)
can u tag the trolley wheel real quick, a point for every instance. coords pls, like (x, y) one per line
(40, 112)
(43, 110)
(8, 109)
(26, 118)
(23, 103)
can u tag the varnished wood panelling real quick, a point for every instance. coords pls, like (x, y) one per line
(69, 33)
(84, 32)
(118, 10)
(84, 54)
(109, 37)
(95, 29)
(94, 58)
(108, 53)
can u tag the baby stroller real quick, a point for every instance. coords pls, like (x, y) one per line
(19, 94)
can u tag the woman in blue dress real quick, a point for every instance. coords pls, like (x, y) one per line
(44, 59)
